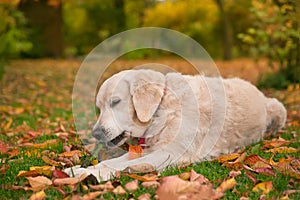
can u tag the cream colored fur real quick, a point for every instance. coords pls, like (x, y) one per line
(184, 118)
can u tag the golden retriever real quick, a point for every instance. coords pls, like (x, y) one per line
(180, 119)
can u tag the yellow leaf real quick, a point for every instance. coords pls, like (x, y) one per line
(264, 187)
(44, 170)
(283, 150)
(94, 162)
(9, 123)
(226, 185)
(35, 153)
(227, 157)
(46, 144)
(38, 195)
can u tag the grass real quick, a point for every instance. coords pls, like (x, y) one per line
(45, 113)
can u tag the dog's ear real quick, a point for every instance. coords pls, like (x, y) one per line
(147, 90)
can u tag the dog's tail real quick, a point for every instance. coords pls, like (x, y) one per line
(276, 115)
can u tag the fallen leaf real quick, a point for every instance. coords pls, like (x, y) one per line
(261, 164)
(146, 177)
(151, 184)
(185, 176)
(194, 176)
(71, 154)
(132, 185)
(226, 185)
(275, 143)
(105, 187)
(46, 144)
(119, 190)
(38, 195)
(3, 148)
(69, 181)
(28, 173)
(139, 168)
(59, 174)
(43, 170)
(92, 195)
(234, 174)
(266, 171)
(134, 152)
(252, 159)
(174, 187)
(8, 124)
(264, 187)
(49, 161)
(40, 182)
(13, 153)
(146, 196)
(227, 157)
(283, 150)
(251, 177)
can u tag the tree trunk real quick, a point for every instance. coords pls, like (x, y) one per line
(46, 27)
(226, 31)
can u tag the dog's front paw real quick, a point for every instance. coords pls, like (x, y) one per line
(100, 171)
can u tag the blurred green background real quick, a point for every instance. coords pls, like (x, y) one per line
(227, 29)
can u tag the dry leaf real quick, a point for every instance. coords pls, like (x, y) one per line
(146, 177)
(27, 173)
(194, 176)
(59, 174)
(151, 184)
(43, 170)
(146, 196)
(226, 185)
(119, 190)
(234, 174)
(252, 159)
(283, 150)
(174, 187)
(46, 144)
(134, 152)
(264, 187)
(139, 168)
(3, 168)
(71, 154)
(49, 161)
(275, 143)
(227, 157)
(40, 182)
(69, 181)
(265, 171)
(132, 185)
(105, 187)
(91, 195)
(185, 176)
(38, 195)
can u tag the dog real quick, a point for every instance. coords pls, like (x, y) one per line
(179, 119)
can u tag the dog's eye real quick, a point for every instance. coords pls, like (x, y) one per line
(114, 101)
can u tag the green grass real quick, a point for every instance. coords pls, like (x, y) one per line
(47, 107)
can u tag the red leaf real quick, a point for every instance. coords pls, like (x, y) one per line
(59, 174)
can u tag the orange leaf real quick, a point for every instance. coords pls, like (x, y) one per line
(71, 154)
(146, 177)
(252, 159)
(226, 185)
(49, 161)
(28, 173)
(46, 144)
(92, 195)
(265, 187)
(227, 157)
(3, 169)
(275, 143)
(134, 152)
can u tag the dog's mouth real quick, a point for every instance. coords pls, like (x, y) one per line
(119, 140)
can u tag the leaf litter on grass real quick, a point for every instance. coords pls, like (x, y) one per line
(34, 127)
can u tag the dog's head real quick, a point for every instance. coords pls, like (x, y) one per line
(127, 102)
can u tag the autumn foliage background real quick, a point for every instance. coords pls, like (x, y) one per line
(42, 43)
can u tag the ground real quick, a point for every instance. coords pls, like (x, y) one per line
(37, 129)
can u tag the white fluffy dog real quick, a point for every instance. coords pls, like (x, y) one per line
(180, 119)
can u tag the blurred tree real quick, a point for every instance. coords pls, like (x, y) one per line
(45, 21)
(226, 30)
(195, 18)
(276, 35)
(13, 35)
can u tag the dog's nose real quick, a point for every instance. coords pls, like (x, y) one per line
(99, 133)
